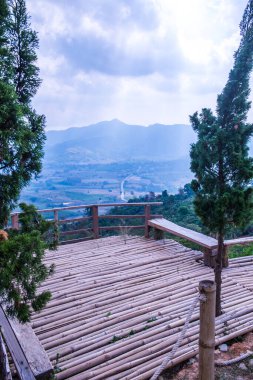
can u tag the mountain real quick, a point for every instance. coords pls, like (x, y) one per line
(114, 140)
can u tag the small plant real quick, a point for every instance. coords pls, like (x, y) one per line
(108, 314)
(151, 319)
(115, 338)
(124, 230)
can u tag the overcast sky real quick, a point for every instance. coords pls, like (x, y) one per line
(140, 61)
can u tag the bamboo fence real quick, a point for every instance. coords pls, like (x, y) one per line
(118, 306)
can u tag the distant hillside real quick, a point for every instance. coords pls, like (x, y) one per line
(116, 141)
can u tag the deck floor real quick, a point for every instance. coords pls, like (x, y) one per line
(118, 305)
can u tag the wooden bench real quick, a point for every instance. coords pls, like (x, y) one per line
(210, 244)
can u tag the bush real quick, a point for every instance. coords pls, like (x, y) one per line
(21, 264)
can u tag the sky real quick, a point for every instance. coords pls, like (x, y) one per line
(140, 61)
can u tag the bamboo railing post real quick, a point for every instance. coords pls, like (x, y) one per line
(147, 218)
(14, 221)
(207, 290)
(95, 225)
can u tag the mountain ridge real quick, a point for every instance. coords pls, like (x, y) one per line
(118, 141)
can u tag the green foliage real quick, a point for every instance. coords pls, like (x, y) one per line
(21, 129)
(176, 207)
(23, 43)
(241, 250)
(21, 265)
(220, 159)
(151, 319)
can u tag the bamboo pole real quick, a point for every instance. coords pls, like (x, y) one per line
(112, 289)
(207, 290)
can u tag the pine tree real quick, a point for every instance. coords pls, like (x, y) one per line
(23, 43)
(22, 133)
(219, 159)
(21, 264)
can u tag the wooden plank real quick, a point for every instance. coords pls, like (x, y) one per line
(71, 220)
(74, 232)
(21, 363)
(35, 354)
(196, 237)
(5, 372)
(242, 240)
(100, 205)
(122, 217)
(65, 242)
(123, 228)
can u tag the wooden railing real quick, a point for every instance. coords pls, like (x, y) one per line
(94, 217)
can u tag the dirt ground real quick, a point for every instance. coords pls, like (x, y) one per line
(236, 347)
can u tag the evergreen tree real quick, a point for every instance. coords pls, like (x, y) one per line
(219, 159)
(23, 43)
(3, 38)
(22, 133)
(21, 265)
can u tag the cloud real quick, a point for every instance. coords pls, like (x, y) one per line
(142, 61)
(112, 37)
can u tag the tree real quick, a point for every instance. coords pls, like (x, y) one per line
(23, 43)
(22, 133)
(219, 158)
(21, 264)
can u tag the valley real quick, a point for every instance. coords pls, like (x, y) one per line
(111, 162)
(62, 184)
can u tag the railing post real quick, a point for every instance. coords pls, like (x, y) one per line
(56, 219)
(209, 257)
(207, 290)
(56, 216)
(95, 225)
(14, 221)
(158, 234)
(147, 218)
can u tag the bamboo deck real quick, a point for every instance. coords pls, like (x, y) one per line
(118, 306)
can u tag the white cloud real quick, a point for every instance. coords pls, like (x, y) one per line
(142, 61)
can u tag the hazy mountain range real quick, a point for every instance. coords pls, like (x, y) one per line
(89, 164)
(116, 141)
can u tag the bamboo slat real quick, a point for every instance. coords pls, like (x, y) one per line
(119, 303)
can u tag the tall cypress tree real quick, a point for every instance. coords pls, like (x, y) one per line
(23, 44)
(22, 133)
(219, 159)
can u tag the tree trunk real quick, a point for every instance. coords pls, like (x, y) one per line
(217, 271)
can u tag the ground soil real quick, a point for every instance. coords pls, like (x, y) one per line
(189, 370)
